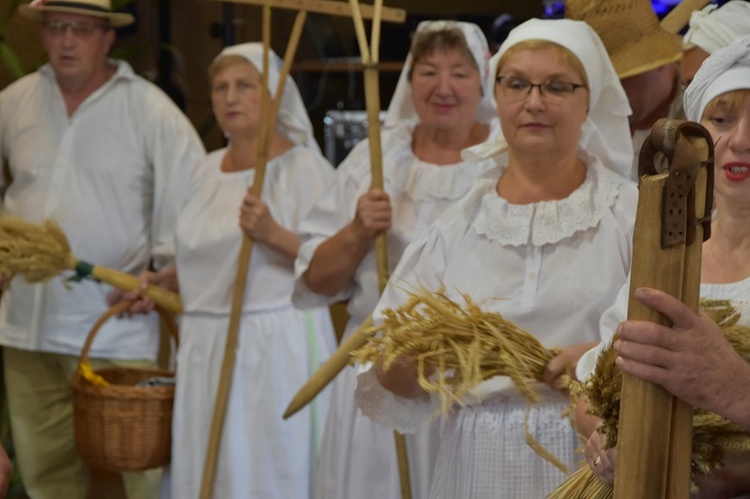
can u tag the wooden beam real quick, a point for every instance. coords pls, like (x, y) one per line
(329, 7)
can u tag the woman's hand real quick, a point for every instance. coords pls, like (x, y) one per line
(165, 278)
(602, 461)
(564, 363)
(255, 218)
(373, 214)
(402, 376)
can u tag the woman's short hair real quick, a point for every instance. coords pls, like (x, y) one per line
(732, 100)
(566, 56)
(222, 62)
(448, 38)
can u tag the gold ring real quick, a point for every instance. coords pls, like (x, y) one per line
(598, 461)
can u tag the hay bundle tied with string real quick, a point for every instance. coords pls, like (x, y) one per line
(40, 252)
(714, 437)
(464, 344)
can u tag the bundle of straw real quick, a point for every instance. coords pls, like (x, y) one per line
(41, 251)
(464, 344)
(38, 252)
(713, 436)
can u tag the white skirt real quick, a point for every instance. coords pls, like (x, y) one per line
(261, 455)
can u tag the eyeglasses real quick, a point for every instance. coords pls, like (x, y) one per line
(79, 29)
(515, 88)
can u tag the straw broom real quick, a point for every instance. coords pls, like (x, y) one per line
(40, 252)
(465, 344)
(713, 436)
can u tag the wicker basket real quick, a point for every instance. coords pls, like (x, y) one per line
(122, 427)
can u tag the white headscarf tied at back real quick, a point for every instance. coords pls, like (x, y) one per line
(606, 132)
(292, 121)
(401, 106)
(725, 70)
(713, 28)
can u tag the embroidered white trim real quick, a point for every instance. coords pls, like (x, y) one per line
(549, 222)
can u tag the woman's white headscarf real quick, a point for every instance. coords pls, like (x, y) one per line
(606, 132)
(713, 28)
(292, 121)
(401, 106)
(725, 70)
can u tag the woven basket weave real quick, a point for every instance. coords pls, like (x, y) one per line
(122, 427)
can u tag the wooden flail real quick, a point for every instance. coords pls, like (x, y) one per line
(672, 221)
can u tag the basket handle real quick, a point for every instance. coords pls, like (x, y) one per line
(117, 309)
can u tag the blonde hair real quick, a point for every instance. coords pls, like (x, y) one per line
(732, 100)
(565, 55)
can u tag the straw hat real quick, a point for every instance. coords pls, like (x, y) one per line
(630, 30)
(96, 8)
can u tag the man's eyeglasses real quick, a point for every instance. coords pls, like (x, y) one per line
(79, 29)
(515, 88)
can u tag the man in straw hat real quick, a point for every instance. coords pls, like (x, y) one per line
(108, 156)
(644, 56)
(711, 29)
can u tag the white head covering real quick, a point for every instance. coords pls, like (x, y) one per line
(725, 70)
(713, 28)
(402, 107)
(292, 121)
(606, 132)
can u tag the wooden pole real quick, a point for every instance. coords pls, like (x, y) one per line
(372, 99)
(332, 8)
(655, 428)
(228, 362)
(330, 368)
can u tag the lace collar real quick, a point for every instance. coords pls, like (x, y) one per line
(550, 222)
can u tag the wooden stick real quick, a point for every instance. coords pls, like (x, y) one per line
(679, 16)
(372, 100)
(654, 443)
(228, 362)
(333, 8)
(330, 368)
(166, 299)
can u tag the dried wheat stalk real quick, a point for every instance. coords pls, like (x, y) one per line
(37, 251)
(465, 344)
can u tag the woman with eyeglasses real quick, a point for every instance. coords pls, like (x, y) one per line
(546, 243)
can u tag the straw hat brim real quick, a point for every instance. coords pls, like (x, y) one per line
(648, 53)
(116, 19)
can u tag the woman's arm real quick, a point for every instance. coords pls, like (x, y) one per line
(336, 260)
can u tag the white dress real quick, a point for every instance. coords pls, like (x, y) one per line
(261, 455)
(358, 456)
(550, 267)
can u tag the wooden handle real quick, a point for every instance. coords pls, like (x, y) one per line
(126, 282)
(330, 368)
(655, 428)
